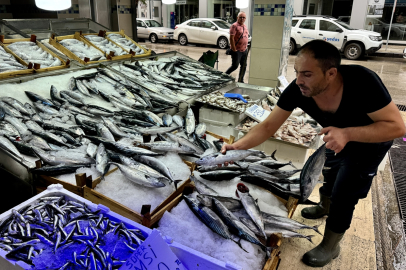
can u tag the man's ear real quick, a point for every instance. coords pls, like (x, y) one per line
(332, 72)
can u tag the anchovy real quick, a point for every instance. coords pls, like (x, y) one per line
(138, 177)
(311, 171)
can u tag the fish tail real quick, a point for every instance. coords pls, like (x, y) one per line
(316, 229)
(291, 164)
(176, 182)
(309, 237)
(239, 244)
(273, 155)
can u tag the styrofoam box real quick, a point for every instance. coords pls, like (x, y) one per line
(220, 117)
(191, 259)
(225, 131)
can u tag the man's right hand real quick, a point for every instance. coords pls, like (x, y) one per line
(224, 150)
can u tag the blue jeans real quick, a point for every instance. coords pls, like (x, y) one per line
(238, 58)
(348, 178)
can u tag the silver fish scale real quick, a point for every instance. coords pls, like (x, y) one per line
(190, 121)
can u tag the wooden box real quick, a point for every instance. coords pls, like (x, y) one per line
(146, 217)
(111, 56)
(54, 41)
(146, 51)
(37, 67)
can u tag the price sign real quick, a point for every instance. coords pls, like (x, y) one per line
(257, 113)
(283, 81)
(153, 254)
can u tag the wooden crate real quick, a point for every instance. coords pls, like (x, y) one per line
(111, 55)
(15, 73)
(54, 41)
(228, 141)
(146, 217)
(146, 51)
(37, 67)
(43, 181)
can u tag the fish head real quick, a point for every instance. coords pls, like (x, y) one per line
(204, 199)
(156, 182)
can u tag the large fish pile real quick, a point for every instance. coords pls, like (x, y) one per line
(105, 45)
(31, 53)
(58, 233)
(125, 43)
(253, 167)
(217, 99)
(174, 75)
(82, 50)
(8, 62)
(241, 214)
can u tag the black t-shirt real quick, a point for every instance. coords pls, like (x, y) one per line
(363, 93)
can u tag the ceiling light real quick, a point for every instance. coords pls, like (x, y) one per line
(168, 2)
(241, 3)
(53, 5)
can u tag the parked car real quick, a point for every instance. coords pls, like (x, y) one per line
(398, 30)
(204, 31)
(352, 42)
(153, 30)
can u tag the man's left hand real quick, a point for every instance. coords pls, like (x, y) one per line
(335, 138)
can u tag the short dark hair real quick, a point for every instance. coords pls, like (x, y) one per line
(325, 53)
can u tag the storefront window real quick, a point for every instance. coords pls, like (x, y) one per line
(225, 10)
(379, 19)
(186, 10)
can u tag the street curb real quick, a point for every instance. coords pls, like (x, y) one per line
(390, 55)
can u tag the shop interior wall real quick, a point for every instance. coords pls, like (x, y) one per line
(73, 12)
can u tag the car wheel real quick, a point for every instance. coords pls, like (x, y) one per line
(153, 38)
(353, 51)
(182, 39)
(292, 46)
(222, 42)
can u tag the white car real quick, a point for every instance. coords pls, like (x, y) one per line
(352, 42)
(204, 31)
(153, 30)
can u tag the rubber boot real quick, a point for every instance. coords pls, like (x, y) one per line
(326, 251)
(319, 210)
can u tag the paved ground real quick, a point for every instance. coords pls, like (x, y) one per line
(392, 71)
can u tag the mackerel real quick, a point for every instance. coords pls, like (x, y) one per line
(139, 177)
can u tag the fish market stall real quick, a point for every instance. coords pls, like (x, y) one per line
(100, 237)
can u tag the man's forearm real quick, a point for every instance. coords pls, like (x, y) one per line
(377, 132)
(232, 43)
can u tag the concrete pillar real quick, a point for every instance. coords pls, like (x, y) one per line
(270, 41)
(203, 9)
(359, 14)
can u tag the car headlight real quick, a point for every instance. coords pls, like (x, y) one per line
(374, 38)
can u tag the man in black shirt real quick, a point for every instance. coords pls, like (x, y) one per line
(359, 121)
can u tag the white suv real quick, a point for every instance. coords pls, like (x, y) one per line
(352, 42)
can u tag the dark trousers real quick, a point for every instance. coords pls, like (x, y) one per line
(238, 58)
(348, 178)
